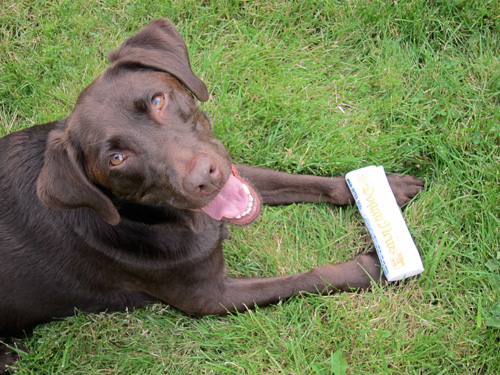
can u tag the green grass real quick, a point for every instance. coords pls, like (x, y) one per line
(307, 87)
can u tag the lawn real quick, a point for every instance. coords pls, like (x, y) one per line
(310, 87)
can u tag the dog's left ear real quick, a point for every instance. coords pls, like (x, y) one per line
(63, 184)
(160, 46)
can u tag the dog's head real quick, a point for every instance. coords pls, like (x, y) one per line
(137, 133)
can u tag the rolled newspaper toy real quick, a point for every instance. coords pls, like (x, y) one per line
(376, 202)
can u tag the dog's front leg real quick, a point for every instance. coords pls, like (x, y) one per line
(278, 188)
(222, 295)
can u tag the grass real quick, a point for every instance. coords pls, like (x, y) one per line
(306, 87)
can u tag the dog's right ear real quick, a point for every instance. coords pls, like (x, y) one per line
(160, 46)
(63, 184)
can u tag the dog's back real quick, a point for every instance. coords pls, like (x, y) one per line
(24, 231)
(44, 271)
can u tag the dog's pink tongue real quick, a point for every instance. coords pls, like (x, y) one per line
(230, 202)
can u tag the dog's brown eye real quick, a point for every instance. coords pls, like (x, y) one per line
(158, 102)
(116, 159)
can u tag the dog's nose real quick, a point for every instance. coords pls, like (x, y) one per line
(204, 178)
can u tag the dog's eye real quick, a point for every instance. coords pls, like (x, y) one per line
(158, 101)
(116, 159)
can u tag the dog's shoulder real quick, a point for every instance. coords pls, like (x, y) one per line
(26, 143)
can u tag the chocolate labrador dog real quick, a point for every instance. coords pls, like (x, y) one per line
(126, 201)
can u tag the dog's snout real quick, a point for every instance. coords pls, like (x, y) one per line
(204, 178)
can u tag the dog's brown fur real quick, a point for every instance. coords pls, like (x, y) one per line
(103, 210)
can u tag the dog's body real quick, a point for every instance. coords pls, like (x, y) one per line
(125, 202)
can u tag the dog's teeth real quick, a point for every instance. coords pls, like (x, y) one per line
(251, 202)
(249, 208)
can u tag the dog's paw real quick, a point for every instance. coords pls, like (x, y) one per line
(370, 268)
(405, 187)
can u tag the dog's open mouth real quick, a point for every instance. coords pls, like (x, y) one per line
(237, 202)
